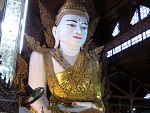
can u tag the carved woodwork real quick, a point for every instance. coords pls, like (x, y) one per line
(9, 98)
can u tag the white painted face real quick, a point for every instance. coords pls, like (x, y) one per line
(72, 30)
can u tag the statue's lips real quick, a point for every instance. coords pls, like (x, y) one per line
(77, 37)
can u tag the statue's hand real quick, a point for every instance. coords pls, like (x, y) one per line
(84, 104)
(87, 105)
(77, 106)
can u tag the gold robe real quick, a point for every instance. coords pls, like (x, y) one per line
(80, 82)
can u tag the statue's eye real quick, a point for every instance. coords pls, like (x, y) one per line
(84, 28)
(72, 25)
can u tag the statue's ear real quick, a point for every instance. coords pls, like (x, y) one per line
(54, 30)
(55, 36)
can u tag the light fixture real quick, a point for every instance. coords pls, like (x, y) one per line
(134, 109)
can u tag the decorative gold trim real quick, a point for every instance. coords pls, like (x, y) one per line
(48, 23)
(35, 45)
(21, 74)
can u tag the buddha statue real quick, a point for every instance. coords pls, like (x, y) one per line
(72, 74)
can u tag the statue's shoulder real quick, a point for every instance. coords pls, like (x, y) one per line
(37, 53)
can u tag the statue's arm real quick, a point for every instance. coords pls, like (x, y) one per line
(37, 78)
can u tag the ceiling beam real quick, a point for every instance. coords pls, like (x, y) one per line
(115, 12)
(131, 53)
(119, 89)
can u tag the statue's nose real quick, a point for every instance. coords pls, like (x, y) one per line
(78, 30)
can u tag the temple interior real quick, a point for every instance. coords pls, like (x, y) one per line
(124, 31)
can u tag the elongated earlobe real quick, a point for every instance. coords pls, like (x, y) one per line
(55, 36)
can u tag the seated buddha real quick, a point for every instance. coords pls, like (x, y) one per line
(72, 74)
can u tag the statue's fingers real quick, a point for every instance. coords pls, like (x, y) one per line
(83, 104)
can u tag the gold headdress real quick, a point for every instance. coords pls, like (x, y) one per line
(71, 7)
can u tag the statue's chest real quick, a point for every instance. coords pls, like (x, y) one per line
(74, 81)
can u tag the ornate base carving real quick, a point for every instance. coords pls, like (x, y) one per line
(9, 97)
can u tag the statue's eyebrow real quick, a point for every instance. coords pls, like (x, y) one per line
(76, 22)
(72, 21)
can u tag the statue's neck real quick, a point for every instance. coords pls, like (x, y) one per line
(69, 50)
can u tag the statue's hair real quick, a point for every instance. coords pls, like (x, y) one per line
(71, 7)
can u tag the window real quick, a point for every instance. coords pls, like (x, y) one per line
(127, 44)
(136, 39)
(135, 18)
(116, 30)
(139, 14)
(109, 53)
(117, 49)
(144, 11)
(148, 33)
